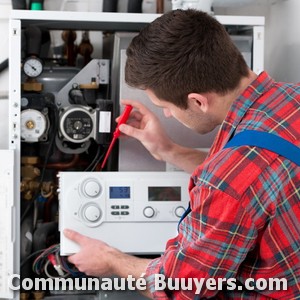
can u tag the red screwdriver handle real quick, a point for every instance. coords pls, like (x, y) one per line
(123, 119)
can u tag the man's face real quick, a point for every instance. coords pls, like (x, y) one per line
(194, 119)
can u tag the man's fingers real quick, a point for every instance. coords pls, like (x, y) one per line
(130, 131)
(136, 104)
(74, 236)
(71, 259)
(136, 115)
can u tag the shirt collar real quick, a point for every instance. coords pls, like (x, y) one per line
(238, 109)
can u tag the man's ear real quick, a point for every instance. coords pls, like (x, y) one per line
(198, 102)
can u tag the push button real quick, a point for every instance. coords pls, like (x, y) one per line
(115, 207)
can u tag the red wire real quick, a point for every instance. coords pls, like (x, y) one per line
(52, 259)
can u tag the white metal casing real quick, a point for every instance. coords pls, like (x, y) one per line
(8, 222)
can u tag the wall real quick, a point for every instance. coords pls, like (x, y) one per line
(283, 57)
(282, 39)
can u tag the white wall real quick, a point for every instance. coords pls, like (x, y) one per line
(282, 38)
(283, 55)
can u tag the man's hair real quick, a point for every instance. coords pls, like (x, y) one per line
(184, 51)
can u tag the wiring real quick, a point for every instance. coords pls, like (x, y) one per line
(98, 157)
(50, 263)
(29, 257)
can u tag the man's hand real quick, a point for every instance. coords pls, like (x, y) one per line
(94, 258)
(98, 259)
(144, 126)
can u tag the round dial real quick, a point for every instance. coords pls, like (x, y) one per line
(33, 67)
(33, 125)
(179, 211)
(149, 212)
(92, 213)
(91, 188)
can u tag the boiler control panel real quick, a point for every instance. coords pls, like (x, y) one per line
(136, 212)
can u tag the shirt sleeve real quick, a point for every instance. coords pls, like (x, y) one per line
(212, 241)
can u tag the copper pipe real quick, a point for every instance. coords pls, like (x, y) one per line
(64, 166)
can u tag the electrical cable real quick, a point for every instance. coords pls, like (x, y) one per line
(94, 161)
(57, 266)
(97, 162)
(39, 262)
(51, 256)
(71, 270)
(29, 257)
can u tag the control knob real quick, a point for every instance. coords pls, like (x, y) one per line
(91, 188)
(149, 212)
(179, 211)
(92, 213)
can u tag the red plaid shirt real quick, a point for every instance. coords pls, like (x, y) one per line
(245, 205)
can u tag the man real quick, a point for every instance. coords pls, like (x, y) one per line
(244, 223)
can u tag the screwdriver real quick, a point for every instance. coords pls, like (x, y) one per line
(123, 119)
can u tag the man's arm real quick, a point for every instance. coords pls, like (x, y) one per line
(98, 259)
(184, 158)
(144, 126)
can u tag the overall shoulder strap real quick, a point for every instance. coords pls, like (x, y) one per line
(267, 141)
(264, 140)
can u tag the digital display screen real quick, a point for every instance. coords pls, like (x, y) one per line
(164, 193)
(119, 192)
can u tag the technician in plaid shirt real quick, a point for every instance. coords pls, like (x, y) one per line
(245, 207)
